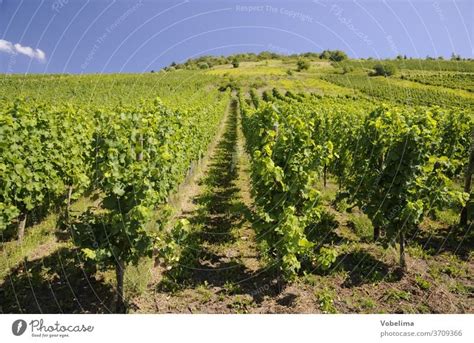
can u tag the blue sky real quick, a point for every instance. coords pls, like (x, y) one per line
(102, 36)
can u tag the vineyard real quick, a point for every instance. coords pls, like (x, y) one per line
(397, 90)
(456, 81)
(252, 187)
(416, 64)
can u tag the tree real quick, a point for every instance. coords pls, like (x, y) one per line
(235, 63)
(266, 55)
(302, 65)
(325, 55)
(313, 55)
(203, 65)
(337, 56)
(384, 70)
(455, 57)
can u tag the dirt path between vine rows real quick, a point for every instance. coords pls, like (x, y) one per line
(229, 275)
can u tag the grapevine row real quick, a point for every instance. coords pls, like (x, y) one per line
(134, 156)
(397, 164)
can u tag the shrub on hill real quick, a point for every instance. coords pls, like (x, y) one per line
(302, 65)
(384, 70)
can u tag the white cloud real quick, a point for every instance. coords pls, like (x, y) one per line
(10, 48)
(6, 46)
(40, 55)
